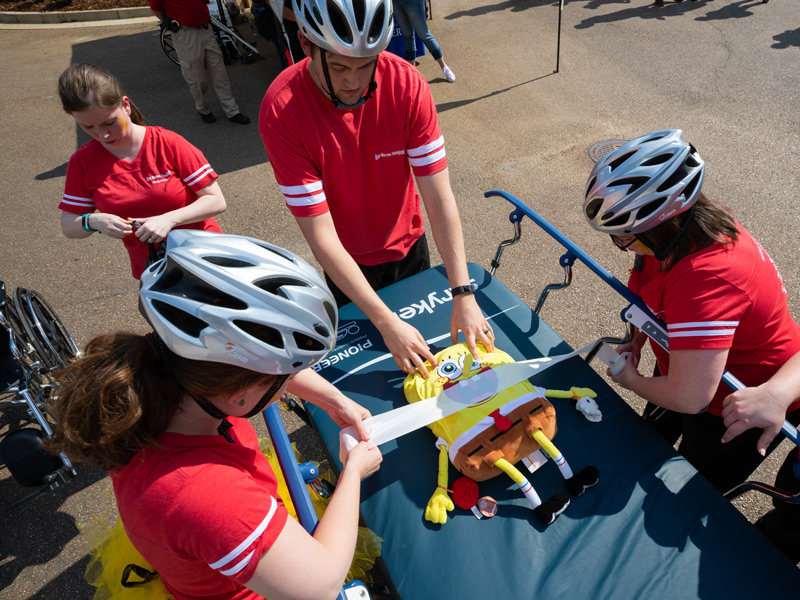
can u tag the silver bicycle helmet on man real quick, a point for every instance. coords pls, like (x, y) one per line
(643, 183)
(349, 28)
(355, 28)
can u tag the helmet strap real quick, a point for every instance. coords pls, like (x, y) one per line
(661, 255)
(215, 412)
(373, 85)
(224, 425)
(266, 398)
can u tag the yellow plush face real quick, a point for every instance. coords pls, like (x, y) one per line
(455, 364)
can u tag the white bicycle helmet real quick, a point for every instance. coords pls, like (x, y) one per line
(240, 301)
(355, 28)
(643, 183)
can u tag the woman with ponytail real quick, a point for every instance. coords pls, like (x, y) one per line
(130, 173)
(237, 322)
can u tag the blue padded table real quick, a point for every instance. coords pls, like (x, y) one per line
(651, 528)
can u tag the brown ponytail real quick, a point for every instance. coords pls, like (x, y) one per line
(122, 394)
(710, 223)
(82, 85)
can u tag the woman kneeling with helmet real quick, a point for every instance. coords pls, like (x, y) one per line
(716, 288)
(237, 322)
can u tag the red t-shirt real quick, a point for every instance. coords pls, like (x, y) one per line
(355, 163)
(724, 296)
(163, 177)
(190, 13)
(202, 511)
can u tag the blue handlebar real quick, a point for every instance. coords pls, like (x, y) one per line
(575, 251)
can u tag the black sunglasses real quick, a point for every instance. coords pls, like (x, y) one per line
(620, 245)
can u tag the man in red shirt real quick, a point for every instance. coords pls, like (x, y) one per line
(344, 130)
(199, 53)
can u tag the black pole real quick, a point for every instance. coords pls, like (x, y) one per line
(558, 44)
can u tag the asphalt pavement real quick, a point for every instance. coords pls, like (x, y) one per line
(727, 73)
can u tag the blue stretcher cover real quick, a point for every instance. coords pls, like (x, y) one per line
(651, 528)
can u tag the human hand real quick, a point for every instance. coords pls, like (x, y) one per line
(628, 373)
(633, 349)
(438, 506)
(111, 225)
(468, 318)
(753, 407)
(408, 347)
(153, 230)
(364, 459)
(348, 412)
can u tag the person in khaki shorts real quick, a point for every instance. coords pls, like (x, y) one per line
(199, 54)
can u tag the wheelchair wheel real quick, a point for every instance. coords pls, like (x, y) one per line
(167, 47)
(44, 329)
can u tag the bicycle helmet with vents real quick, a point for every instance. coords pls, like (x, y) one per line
(643, 183)
(240, 301)
(355, 28)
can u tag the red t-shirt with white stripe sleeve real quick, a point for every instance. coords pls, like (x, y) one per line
(356, 163)
(165, 176)
(202, 511)
(724, 296)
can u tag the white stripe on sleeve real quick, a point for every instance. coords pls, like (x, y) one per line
(702, 333)
(198, 175)
(236, 552)
(77, 201)
(303, 195)
(703, 324)
(427, 148)
(427, 160)
(236, 568)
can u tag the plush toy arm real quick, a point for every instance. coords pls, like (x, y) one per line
(574, 392)
(440, 502)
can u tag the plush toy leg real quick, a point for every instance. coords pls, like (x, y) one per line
(547, 511)
(554, 453)
(576, 484)
(440, 503)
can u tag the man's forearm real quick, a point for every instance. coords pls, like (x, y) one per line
(445, 225)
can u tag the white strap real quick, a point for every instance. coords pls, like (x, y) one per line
(390, 425)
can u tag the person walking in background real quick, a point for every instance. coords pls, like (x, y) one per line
(199, 53)
(130, 172)
(410, 15)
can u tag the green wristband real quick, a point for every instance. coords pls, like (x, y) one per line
(85, 223)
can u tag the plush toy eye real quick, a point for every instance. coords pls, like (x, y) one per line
(476, 363)
(450, 368)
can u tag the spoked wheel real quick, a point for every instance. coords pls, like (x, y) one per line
(167, 47)
(44, 329)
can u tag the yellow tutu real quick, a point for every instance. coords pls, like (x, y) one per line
(114, 553)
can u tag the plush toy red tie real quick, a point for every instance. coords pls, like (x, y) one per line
(502, 423)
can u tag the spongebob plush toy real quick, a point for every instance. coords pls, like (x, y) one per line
(487, 438)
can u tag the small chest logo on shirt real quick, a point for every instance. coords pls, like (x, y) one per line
(381, 155)
(160, 178)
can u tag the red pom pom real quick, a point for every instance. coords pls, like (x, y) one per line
(465, 493)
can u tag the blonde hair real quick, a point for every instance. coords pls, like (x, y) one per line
(83, 85)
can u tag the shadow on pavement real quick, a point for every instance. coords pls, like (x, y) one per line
(41, 531)
(787, 39)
